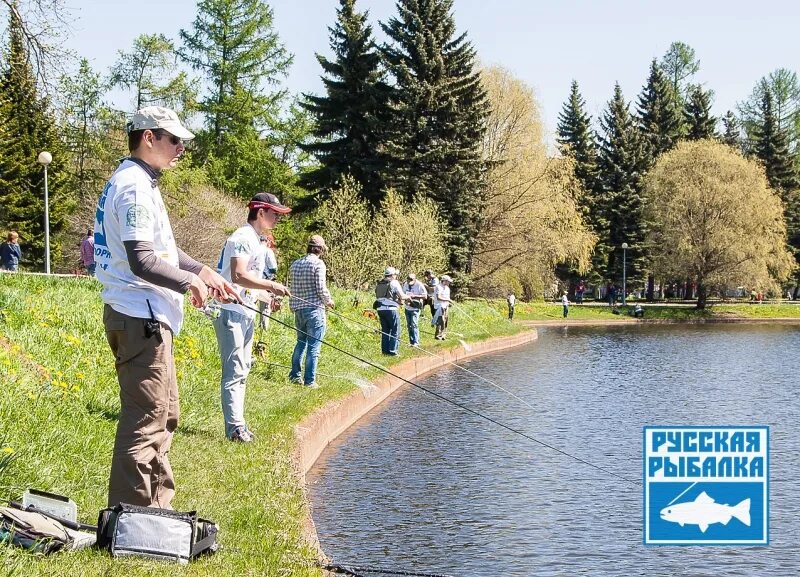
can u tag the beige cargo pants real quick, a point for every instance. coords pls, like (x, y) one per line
(148, 393)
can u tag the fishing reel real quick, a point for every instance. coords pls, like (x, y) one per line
(260, 349)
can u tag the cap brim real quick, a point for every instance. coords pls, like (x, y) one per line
(280, 209)
(180, 132)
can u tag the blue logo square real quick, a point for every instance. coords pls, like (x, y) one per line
(706, 485)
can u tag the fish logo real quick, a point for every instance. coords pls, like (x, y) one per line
(704, 511)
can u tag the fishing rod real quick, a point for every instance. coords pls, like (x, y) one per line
(433, 354)
(446, 399)
(469, 317)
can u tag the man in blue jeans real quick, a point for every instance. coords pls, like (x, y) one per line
(417, 295)
(310, 297)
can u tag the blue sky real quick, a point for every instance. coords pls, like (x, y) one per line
(544, 43)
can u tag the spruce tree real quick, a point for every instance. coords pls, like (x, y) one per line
(771, 148)
(659, 113)
(731, 131)
(30, 129)
(697, 115)
(769, 145)
(438, 118)
(348, 117)
(622, 161)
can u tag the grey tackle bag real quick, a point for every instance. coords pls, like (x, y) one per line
(130, 530)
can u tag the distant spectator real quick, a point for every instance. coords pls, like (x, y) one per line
(565, 303)
(638, 311)
(579, 290)
(10, 252)
(512, 301)
(87, 252)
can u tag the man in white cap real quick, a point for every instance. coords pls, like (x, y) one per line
(389, 296)
(144, 276)
(242, 262)
(441, 300)
(417, 295)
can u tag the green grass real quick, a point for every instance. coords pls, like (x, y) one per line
(60, 402)
(547, 311)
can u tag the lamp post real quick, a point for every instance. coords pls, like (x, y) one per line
(624, 263)
(44, 159)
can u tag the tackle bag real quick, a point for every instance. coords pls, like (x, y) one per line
(34, 531)
(131, 530)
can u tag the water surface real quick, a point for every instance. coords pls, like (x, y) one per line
(421, 485)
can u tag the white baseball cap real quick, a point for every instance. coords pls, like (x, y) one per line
(155, 117)
(390, 270)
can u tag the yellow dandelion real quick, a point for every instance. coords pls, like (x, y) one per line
(8, 450)
(75, 388)
(80, 376)
(32, 397)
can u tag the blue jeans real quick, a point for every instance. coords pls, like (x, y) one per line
(390, 330)
(310, 325)
(235, 339)
(412, 321)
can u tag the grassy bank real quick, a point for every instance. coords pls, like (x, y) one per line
(60, 402)
(668, 312)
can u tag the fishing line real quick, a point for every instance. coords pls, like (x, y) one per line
(431, 353)
(447, 400)
(466, 314)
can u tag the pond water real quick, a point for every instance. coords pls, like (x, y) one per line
(421, 485)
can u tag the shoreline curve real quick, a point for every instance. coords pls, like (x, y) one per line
(316, 431)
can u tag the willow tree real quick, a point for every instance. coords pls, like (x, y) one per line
(531, 220)
(715, 220)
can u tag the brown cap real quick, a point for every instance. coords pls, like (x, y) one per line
(268, 200)
(317, 240)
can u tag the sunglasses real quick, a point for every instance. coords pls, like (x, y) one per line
(175, 140)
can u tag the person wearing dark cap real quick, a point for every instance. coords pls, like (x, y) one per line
(310, 297)
(242, 263)
(431, 282)
(144, 276)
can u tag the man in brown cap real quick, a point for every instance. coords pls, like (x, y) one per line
(310, 297)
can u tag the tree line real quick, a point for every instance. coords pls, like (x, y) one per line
(411, 130)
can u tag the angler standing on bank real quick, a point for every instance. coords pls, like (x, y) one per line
(144, 276)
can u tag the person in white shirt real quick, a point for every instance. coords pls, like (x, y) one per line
(565, 303)
(441, 300)
(242, 263)
(512, 301)
(417, 294)
(144, 276)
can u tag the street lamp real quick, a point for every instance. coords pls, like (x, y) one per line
(44, 159)
(624, 263)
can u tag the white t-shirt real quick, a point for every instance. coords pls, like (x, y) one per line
(511, 299)
(243, 243)
(441, 291)
(131, 208)
(416, 289)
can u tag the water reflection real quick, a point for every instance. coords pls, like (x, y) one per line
(420, 484)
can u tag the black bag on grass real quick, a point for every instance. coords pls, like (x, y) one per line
(130, 530)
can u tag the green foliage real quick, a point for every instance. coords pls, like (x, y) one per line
(659, 113)
(28, 123)
(784, 88)
(362, 241)
(769, 144)
(679, 64)
(697, 116)
(149, 71)
(731, 131)
(233, 45)
(715, 220)
(438, 110)
(86, 126)
(622, 161)
(348, 118)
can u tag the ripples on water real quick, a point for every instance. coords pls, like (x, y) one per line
(419, 484)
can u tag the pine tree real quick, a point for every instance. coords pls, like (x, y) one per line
(577, 139)
(348, 117)
(769, 145)
(659, 113)
(731, 131)
(29, 127)
(438, 117)
(697, 115)
(622, 161)
(233, 44)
